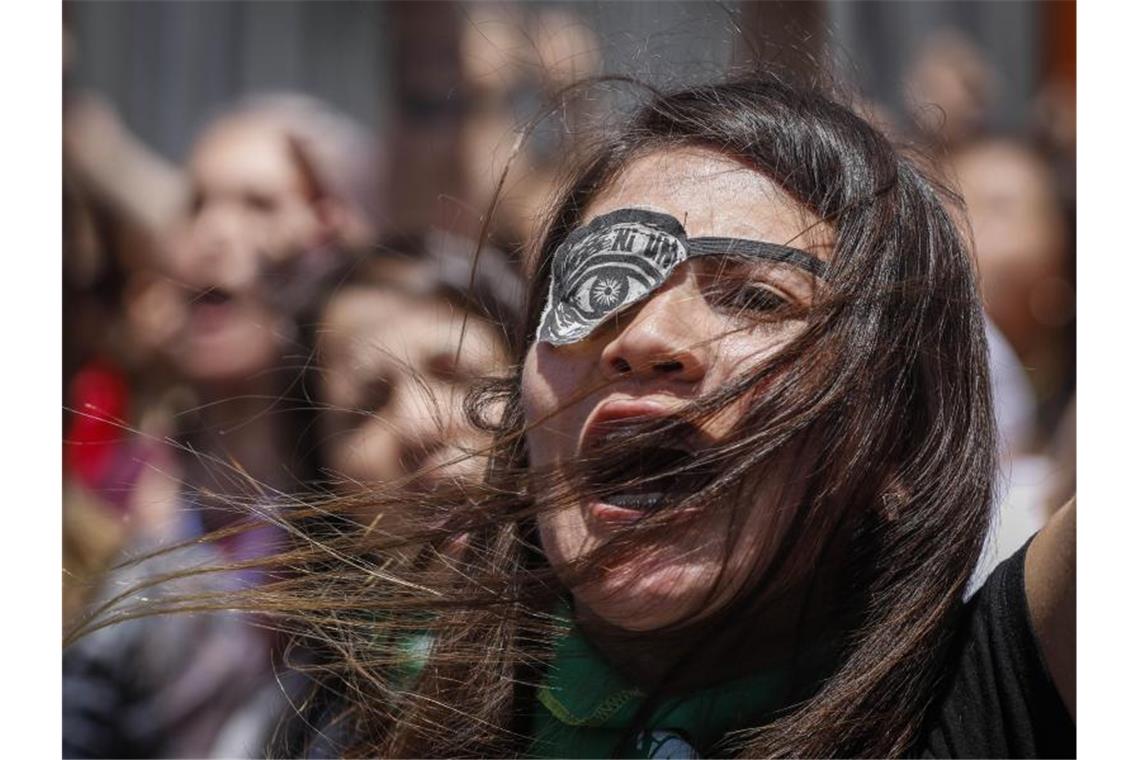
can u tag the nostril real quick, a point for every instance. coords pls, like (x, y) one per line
(668, 367)
(621, 366)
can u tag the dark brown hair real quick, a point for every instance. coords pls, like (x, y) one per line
(884, 397)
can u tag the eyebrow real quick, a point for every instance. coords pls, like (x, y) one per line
(704, 246)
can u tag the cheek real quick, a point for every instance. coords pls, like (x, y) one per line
(775, 498)
(745, 352)
(561, 534)
(337, 386)
(535, 393)
(286, 232)
(298, 221)
(746, 349)
(550, 383)
(547, 385)
(538, 400)
(366, 453)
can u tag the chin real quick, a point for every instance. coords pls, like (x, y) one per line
(653, 590)
(223, 369)
(355, 461)
(230, 356)
(641, 599)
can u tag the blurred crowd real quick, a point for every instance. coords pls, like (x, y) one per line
(282, 315)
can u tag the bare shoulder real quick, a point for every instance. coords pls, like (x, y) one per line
(1051, 591)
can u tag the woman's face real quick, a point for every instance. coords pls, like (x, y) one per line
(1018, 232)
(393, 381)
(687, 339)
(252, 210)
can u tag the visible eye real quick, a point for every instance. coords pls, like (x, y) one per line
(444, 367)
(262, 203)
(603, 291)
(197, 202)
(755, 298)
(376, 394)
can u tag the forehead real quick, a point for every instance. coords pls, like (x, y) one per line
(712, 194)
(379, 313)
(244, 148)
(380, 319)
(1003, 173)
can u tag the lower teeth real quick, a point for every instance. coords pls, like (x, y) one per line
(642, 501)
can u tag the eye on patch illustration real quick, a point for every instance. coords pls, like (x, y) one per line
(620, 258)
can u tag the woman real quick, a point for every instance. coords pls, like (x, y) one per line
(272, 208)
(737, 486)
(399, 341)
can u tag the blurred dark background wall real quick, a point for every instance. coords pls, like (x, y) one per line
(883, 37)
(167, 66)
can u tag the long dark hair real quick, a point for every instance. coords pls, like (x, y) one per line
(883, 396)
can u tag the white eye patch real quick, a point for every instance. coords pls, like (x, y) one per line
(620, 258)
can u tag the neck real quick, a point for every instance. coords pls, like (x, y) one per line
(800, 630)
(239, 441)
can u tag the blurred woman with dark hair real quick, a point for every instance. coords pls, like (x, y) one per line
(278, 196)
(399, 342)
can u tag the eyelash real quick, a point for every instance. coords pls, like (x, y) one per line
(377, 394)
(753, 298)
(760, 299)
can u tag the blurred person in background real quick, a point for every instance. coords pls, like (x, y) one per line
(1019, 237)
(399, 342)
(1018, 206)
(118, 197)
(280, 190)
(514, 61)
(950, 89)
(1022, 239)
(280, 195)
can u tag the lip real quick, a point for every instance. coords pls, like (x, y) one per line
(617, 409)
(611, 515)
(210, 318)
(599, 422)
(211, 309)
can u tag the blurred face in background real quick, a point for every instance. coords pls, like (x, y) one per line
(1019, 235)
(253, 208)
(392, 386)
(513, 59)
(951, 87)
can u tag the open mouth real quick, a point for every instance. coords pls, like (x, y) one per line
(625, 470)
(213, 296)
(211, 310)
(653, 478)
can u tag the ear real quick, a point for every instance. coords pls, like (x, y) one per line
(332, 213)
(332, 218)
(341, 225)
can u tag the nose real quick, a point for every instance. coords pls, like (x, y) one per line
(664, 339)
(424, 419)
(219, 251)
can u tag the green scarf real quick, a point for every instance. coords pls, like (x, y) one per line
(584, 707)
